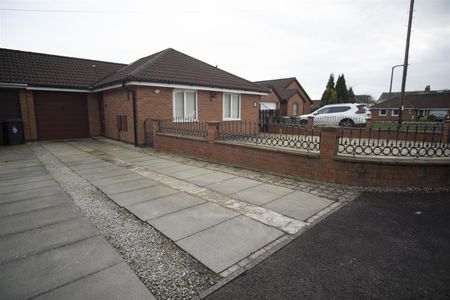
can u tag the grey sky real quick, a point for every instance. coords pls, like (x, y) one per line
(256, 40)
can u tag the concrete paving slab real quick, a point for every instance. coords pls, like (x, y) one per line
(298, 205)
(25, 278)
(175, 170)
(194, 171)
(37, 218)
(163, 164)
(30, 242)
(101, 175)
(105, 169)
(141, 195)
(114, 180)
(262, 194)
(163, 206)
(210, 178)
(191, 220)
(145, 158)
(22, 195)
(23, 206)
(20, 164)
(224, 245)
(100, 164)
(233, 185)
(82, 162)
(27, 186)
(117, 282)
(24, 180)
(128, 186)
(21, 172)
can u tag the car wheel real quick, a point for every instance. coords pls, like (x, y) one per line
(347, 123)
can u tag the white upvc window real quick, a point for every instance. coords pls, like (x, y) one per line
(395, 112)
(383, 112)
(184, 105)
(231, 106)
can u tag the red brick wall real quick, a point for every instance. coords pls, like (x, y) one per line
(93, 114)
(407, 115)
(28, 115)
(326, 167)
(118, 102)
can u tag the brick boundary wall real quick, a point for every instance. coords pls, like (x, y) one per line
(326, 166)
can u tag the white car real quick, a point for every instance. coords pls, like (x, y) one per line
(342, 114)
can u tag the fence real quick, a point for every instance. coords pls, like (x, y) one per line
(238, 144)
(418, 140)
(185, 127)
(267, 134)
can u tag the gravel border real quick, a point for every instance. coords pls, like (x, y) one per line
(167, 270)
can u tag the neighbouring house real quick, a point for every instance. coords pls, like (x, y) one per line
(61, 97)
(286, 95)
(364, 99)
(416, 106)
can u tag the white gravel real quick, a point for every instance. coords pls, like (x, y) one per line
(168, 271)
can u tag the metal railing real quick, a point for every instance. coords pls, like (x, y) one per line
(185, 127)
(410, 140)
(269, 134)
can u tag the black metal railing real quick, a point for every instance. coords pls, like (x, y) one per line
(185, 127)
(409, 140)
(275, 135)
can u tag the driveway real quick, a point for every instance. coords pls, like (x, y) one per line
(48, 249)
(382, 246)
(221, 219)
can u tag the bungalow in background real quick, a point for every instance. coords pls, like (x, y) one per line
(59, 97)
(417, 106)
(287, 96)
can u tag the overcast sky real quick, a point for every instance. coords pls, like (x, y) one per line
(257, 40)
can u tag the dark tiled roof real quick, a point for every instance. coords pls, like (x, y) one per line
(173, 67)
(168, 66)
(47, 70)
(279, 86)
(385, 95)
(422, 101)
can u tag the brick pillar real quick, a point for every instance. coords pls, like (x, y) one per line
(329, 142)
(213, 131)
(310, 122)
(446, 131)
(369, 123)
(155, 130)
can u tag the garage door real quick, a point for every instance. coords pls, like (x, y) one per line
(9, 104)
(61, 115)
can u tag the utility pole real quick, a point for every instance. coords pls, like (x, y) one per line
(405, 64)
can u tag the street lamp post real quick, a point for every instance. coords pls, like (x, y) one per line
(390, 87)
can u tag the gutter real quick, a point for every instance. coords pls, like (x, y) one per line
(133, 96)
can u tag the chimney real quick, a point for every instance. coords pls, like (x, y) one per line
(427, 88)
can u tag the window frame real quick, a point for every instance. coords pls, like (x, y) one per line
(184, 119)
(231, 107)
(295, 111)
(395, 115)
(385, 112)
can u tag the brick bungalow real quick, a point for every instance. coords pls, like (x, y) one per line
(61, 97)
(415, 106)
(287, 95)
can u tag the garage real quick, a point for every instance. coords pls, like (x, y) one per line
(61, 115)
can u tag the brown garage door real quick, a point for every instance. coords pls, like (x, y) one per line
(9, 104)
(61, 115)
